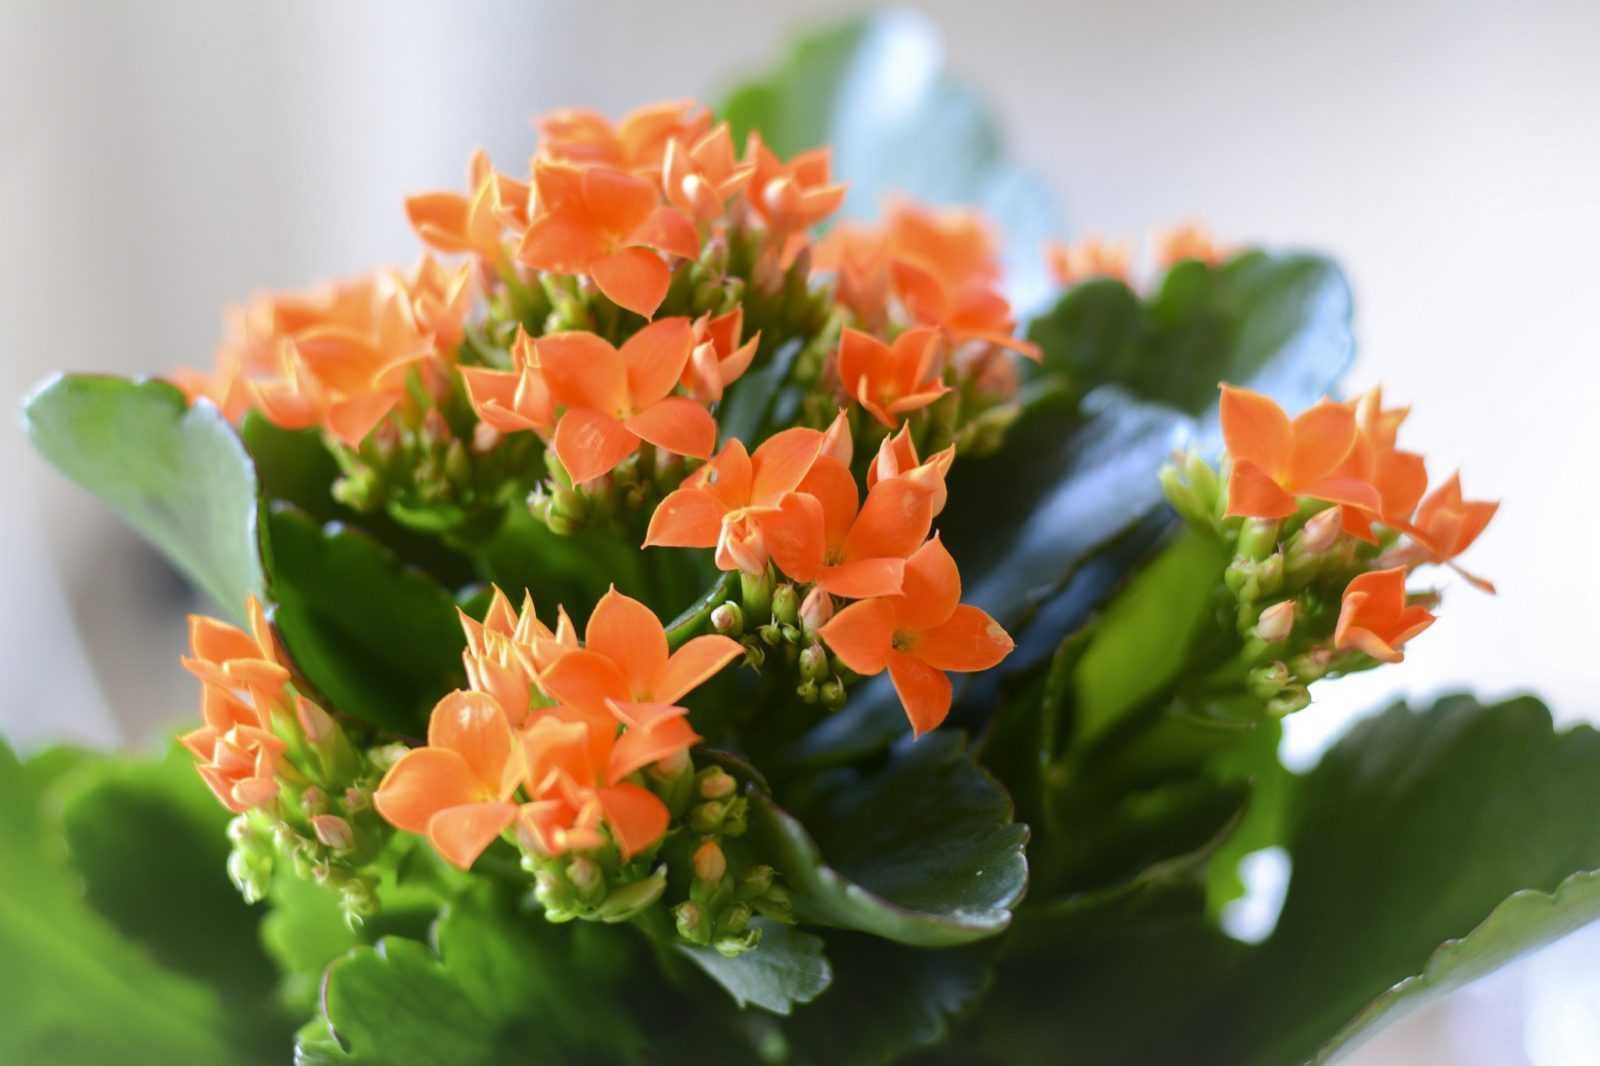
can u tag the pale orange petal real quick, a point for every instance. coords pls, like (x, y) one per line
(475, 726)
(1322, 437)
(893, 522)
(677, 424)
(584, 679)
(968, 640)
(687, 518)
(668, 230)
(862, 579)
(424, 782)
(693, 664)
(932, 588)
(924, 692)
(636, 816)
(461, 834)
(590, 444)
(782, 462)
(561, 242)
(862, 635)
(617, 201)
(1253, 494)
(1255, 428)
(793, 535)
(655, 357)
(629, 634)
(633, 278)
(582, 370)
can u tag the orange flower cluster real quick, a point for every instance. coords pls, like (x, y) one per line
(338, 357)
(795, 504)
(619, 204)
(245, 694)
(1346, 455)
(568, 726)
(920, 267)
(1095, 257)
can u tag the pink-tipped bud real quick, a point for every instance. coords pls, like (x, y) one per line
(317, 725)
(333, 831)
(673, 765)
(1276, 622)
(1322, 530)
(709, 863)
(816, 609)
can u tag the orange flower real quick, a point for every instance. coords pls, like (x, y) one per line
(609, 225)
(891, 381)
(614, 399)
(239, 755)
(918, 635)
(457, 791)
(702, 175)
(718, 359)
(1091, 257)
(637, 144)
(1187, 241)
(1275, 460)
(858, 256)
(228, 658)
(1399, 477)
(475, 222)
(718, 504)
(957, 246)
(1446, 525)
(819, 535)
(971, 312)
(1374, 617)
(515, 400)
(440, 300)
(897, 457)
(624, 672)
(506, 652)
(791, 197)
(568, 767)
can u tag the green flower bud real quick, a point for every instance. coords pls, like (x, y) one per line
(625, 902)
(833, 694)
(715, 783)
(691, 922)
(786, 604)
(707, 817)
(807, 691)
(756, 881)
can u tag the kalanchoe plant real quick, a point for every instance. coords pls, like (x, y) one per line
(673, 631)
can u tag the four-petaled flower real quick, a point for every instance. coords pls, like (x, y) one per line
(890, 381)
(718, 359)
(791, 197)
(1446, 525)
(1276, 460)
(614, 398)
(509, 401)
(457, 791)
(476, 222)
(611, 226)
(702, 175)
(919, 635)
(1375, 618)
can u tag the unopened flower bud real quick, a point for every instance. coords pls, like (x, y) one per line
(313, 801)
(707, 817)
(1321, 531)
(585, 876)
(807, 691)
(315, 723)
(756, 592)
(814, 663)
(691, 922)
(1276, 622)
(709, 863)
(756, 881)
(786, 604)
(815, 609)
(1291, 699)
(334, 832)
(1258, 537)
(386, 756)
(832, 693)
(728, 619)
(715, 783)
(357, 799)
(771, 634)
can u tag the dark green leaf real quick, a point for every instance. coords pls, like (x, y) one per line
(175, 473)
(921, 850)
(497, 987)
(888, 1000)
(378, 640)
(1277, 323)
(788, 967)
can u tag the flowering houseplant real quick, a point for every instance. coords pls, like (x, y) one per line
(677, 621)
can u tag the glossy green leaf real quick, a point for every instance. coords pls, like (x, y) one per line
(1279, 323)
(177, 902)
(922, 850)
(495, 987)
(786, 969)
(175, 473)
(74, 990)
(378, 640)
(876, 90)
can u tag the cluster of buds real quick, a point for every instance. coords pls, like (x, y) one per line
(776, 625)
(728, 888)
(1326, 518)
(300, 790)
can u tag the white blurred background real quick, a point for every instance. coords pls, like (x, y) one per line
(161, 160)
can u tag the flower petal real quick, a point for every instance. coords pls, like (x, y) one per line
(893, 522)
(590, 444)
(636, 816)
(668, 230)
(633, 278)
(475, 726)
(862, 635)
(693, 664)
(932, 588)
(1253, 494)
(585, 679)
(630, 635)
(461, 834)
(655, 357)
(561, 241)
(782, 462)
(862, 579)
(1322, 437)
(924, 692)
(687, 518)
(967, 641)
(582, 370)
(677, 424)
(424, 782)
(1255, 428)
(793, 535)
